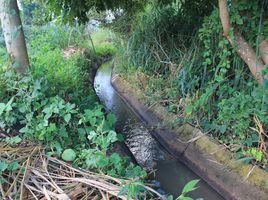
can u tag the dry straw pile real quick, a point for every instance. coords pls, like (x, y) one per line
(41, 177)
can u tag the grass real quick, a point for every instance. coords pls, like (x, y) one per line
(199, 78)
(103, 42)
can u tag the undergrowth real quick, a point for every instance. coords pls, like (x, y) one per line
(54, 104)
(198, 76)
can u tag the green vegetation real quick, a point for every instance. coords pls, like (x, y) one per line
(205, 61)
(103, 42)
(55, 105)
(190, 186)
(191, 68)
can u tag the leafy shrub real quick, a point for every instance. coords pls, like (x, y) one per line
(41, 105)
(62, 74)
(61, 125)
(65, 76)
(46, 37)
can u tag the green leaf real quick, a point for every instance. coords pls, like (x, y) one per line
(81, 132)
(115, 159)
(111, 119)
(185, 198)
(222, 128)
(112, 136)
(13, 140)
(93, 121)
(24, 129)
(102, 161)
(91, 162)
(68, 155)
(170, 197)
(67, 118)
(91, 135)
(8, 105)
(3, 166)
(2, 107)
(57, 147)
(98, 113)
(191, 186)
(13, 166)
(189, 109)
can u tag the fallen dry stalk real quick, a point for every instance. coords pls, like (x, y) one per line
(41, 177)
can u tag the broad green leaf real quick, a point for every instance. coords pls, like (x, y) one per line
(123, 191)
(16, 139)
(111, 119)
(13, 140)
(56, 146)
(22, 109)
(13, 166)
(103, 161)
(88, 113)
(24, 129)
(189, 109)
(67, 118)
(98, 113)
(92, 121)
(91, 162)
(170, 197)
(91, 135)
(115, 159)
(68, 155)
(112, 136)
(3, 166)
(81, 132)
(191, 186)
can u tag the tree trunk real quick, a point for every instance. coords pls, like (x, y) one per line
(264, 51)
(14, 35)
(245, 51)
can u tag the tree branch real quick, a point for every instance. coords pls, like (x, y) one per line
(245, 51)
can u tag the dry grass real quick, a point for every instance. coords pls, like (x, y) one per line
(71, 50)
(41, 177)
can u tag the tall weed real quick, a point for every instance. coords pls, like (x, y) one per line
(197, 75)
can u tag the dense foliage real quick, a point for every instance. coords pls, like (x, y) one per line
(197, 75)
(78, 10)
(55, 105)
(47, 106)
(179, 54)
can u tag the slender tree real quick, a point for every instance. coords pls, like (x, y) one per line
(14, 35)
(243, 48)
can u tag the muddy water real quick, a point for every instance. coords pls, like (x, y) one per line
(171, 174)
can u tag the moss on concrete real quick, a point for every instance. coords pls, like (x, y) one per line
(203, 143)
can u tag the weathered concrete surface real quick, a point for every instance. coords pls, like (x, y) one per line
(211, 161)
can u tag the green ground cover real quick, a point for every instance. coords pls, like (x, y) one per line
(54, 104)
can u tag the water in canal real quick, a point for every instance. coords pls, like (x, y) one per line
(170, 173)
